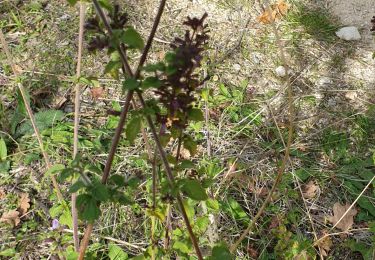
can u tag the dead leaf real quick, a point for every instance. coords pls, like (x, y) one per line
(302, 256)
(351, 95)
(325, 244)
(275, 11)
(275, 222)
(252, 252)
(339, 211)
(11, 217)
(2, 193)
(309, 190)
(97, 92)
(24, 203)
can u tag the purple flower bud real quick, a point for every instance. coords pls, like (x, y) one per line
(55, 224)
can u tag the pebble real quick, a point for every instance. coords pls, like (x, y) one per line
(349, 33)
(280, 71)
(237, 67)
(324, 81)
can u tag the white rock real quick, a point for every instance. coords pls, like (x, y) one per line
(349, 33)
(237, 67)
(324, 81)
(280, 71)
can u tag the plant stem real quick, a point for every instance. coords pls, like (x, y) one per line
(171, 179)
(285, 159)
(31, 116)
(125, 109)
(76, 119)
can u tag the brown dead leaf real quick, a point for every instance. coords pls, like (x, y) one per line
(11, 217)
(339, 211)
(275, 222)
(325, 244)
(309, 190)
(2, 193)
(24, 203)
(252, 252)
(97, 92)
(275, 11)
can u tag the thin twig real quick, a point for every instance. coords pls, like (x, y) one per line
(125, 109)
(31, 115)
(285, 160)
(76, 119)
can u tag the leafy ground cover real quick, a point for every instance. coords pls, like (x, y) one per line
(239, 143)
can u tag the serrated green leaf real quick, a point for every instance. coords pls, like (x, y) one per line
(89, 208)
(195, 114)
(220, 252)
(3, 150)
(232, 207)
(43, 120)
(66, 218)
(65, 173)
(130, 84)
(106, 4)
(151, 82)
(132, 39)
(133, 128)
(116, 253)
(193, 189)
(100, 192)
(117, 180)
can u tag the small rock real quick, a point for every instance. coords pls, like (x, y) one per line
(237, 67)
(280, 71)
(349, 33)
(215, 78)
(324, 81)
(351, 95)
(331, 102)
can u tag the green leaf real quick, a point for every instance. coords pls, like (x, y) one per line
(66, 218)
(193, 189)
(364, 249)
(112, 68)
(72, 2)
(181, 246)
(233, 208)
(190, 145)
(66, 173)
(89, 208)
(151, 82)
(4, 166)
(195, 114)
(224, 91)
(3, 150)
(130, 84)
(106, 4)
(100, 192)
(160, 66)
(117, 180)
(116, 253)
(213, 204)
(76, 186)
(132, 39)
(8, 252)
(133, 128)
(220, 252)
(44, 120)
(54, 169)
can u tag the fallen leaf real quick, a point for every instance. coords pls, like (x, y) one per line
(339, 211)
(252, 252)
(11, 217)
(24, 203)
(275, 222)
(302, 256)
(275, 11)
(325, 244)
(309, 190)
(97, 92)
(2, 193)
(351, 95)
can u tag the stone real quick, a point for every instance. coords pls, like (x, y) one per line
(349, 33)
(280, 71)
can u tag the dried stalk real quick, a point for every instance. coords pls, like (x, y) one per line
(285, 159)
(31, 116)
(76, 119)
